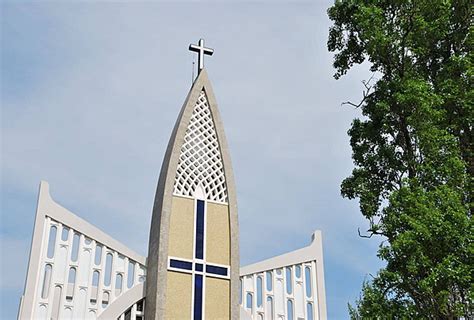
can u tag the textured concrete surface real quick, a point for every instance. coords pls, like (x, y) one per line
(156, 288)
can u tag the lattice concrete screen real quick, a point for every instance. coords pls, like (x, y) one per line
(200, 160)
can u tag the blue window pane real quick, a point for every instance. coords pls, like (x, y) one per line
(249, 301)
(259, 291)
(269, 281)
(52, 241)
(75, 247)
(298, 271)
(65, 233)
(307, 273)
(130, 274)
(216, 270)
(199, 267)
(198, 297)
(181, 264)
(289, 281)
(200, 229)
(309, 311)
(289, 306)
(72, 276)
(98, 254)
(95, 278)
(108, 269)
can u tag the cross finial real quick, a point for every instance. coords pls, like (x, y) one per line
(201, 50)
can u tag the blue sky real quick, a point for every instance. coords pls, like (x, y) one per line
(90, 93)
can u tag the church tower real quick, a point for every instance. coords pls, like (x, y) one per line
(193, 257)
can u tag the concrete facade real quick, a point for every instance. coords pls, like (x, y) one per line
(76, 271)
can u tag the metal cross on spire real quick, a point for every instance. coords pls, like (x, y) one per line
(201, 50)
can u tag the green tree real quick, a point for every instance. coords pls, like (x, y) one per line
(412, 151)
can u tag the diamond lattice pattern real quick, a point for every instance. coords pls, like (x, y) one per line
(200, 161)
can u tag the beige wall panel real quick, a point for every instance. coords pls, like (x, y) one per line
(181, 231)
(218, 234)
(178, 297)
(217, 298)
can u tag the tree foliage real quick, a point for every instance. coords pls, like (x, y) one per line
(412, 151)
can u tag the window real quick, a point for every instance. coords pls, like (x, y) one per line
(52, 241)
(105, 299)
(46, 281)
(269, 281)
(75, 247)
(298, 271)
(307, 274)
(289, 307)
(289, 281)
(118, 284)
(65, 233)
(249, 301)
(309, 311)
(199, 229)
(71, 279)
(108, 269)
(259, 291)
(270, 307)
(198, 296)
(98, 254)
(72, 276)
(95, 278)
(131, 274)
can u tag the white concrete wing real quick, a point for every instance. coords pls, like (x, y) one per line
(286, 287)
(75, 270)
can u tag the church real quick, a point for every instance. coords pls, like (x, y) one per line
(192, 270)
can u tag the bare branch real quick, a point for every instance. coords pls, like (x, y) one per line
(365, 93)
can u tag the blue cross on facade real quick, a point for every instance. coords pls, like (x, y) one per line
(198, 267)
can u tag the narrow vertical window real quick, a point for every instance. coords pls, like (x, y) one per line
(259, 291)
(52, 241)
(130, 274)
(289, 306)
(72, 276)
(199, 229)
(269, 277)
(118, 284)
(105, 299)
(65, 233)
(75, 247)
(95, 278)
(289, 281)
(95, 285)
(56, 303)
(108, 269)
(309, 311)
(307, 280)
(46, 281)
(298, 271)
(71, 282)
(249, 301)
(270, 307)
(98, 254)
(198, 297)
